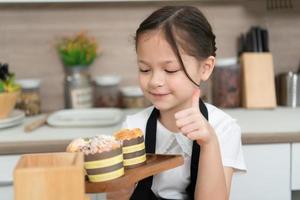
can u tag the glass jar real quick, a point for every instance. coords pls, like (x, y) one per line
(133, 97)
(30, 99)
(226, 83)
(78, 88)
(107, 93)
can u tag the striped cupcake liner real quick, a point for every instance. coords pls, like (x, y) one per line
(134, 152)
(104, 166)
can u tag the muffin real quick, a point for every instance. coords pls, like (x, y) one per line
(103, 159)
(133, 147)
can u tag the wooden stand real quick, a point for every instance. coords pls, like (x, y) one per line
(258, 80)
(58, 176)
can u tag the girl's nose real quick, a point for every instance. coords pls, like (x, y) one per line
(157, 79)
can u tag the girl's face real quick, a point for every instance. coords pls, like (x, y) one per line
(161, 76)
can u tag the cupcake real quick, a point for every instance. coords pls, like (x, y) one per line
(133, 147)
(103, 159)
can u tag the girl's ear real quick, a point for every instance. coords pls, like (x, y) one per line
(206, 68)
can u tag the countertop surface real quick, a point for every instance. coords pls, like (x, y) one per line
(280, 125)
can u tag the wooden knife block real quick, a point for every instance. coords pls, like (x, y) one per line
(258, 80)
(51, 176)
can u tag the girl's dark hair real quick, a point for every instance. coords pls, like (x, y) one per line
(183, 26)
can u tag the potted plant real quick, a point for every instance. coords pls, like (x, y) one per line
(9, 91)
(77, 53)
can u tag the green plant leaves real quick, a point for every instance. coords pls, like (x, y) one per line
(7, 80)
(80, 50)
(1, 87)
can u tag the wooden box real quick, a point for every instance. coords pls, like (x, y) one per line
(258, 80)
(49, 176)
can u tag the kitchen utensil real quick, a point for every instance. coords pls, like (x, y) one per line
(289, 89)
(265, 40)
(256, 40)
(16, 117)
(36, 124)
(156, 163)
(253, 36)
(259, 39)
(258, 80)
(85, 117)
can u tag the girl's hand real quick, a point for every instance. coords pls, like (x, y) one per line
(193, 124)
(122, 194)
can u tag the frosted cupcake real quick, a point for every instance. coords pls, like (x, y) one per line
(133, 147)
(103, 159)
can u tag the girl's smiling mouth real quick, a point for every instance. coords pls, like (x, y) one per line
(159, 94)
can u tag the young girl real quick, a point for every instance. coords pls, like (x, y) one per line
(175, 49)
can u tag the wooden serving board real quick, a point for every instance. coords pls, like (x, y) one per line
(156, 163)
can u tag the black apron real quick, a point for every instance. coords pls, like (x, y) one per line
(143, 190)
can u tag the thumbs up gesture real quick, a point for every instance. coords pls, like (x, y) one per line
(193, 124)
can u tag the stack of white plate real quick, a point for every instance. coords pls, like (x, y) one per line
(16, 117)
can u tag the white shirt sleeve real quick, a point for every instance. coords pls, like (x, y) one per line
(230, 145)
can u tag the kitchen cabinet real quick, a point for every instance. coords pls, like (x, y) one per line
(268, 173)
(7, 164)
(6, 192)
(295, 166)
(271, 151)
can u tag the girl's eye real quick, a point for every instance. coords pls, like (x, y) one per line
(171, 71)
(144, 70)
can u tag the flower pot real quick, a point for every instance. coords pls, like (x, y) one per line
(78, 87)
(7, 103)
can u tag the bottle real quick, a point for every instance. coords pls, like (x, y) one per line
(226, 83)
(78, 88)
(30, 99)
(107, 93)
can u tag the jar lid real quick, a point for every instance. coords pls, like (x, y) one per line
(225, 62)
(134, 91)
(29, 83)
(107, 80)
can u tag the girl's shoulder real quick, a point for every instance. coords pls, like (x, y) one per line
(142, 114)
(139, 119)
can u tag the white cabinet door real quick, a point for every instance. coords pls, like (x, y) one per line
(7, 164)
(295, 166)
(6, 192)
(268, 174)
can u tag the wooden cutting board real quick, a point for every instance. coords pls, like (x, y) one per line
(156, 163)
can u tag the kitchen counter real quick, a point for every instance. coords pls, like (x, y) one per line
(280, 125)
